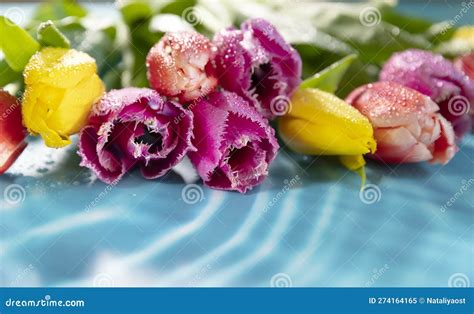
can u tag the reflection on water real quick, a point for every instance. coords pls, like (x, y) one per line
(306, 225)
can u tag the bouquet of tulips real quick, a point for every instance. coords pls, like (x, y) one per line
(222, 101)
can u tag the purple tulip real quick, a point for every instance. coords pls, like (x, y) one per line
(258, 64)
(438, 78)
(235, 145)
(135, 127)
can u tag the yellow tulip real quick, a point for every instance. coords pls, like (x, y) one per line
(61, 87)
(319, 123)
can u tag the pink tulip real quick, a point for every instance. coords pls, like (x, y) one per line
(407, 125)
(177, 66)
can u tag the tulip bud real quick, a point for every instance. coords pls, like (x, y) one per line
(177, 66)
(257, 63)
(434, 76)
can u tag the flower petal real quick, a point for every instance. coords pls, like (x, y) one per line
(398, 145)
(445, 146)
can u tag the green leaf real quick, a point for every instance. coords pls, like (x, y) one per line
(329, 78)
(49, 35)
(17, 45)
(359, 73)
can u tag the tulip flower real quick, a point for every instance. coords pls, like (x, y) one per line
(135, 127)
(258, 64)
(235, 144)
(12, 132)
(407, 125)
(438, 78)
(61, 86)
(177, 66)
(319, 123)
(464, 36)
